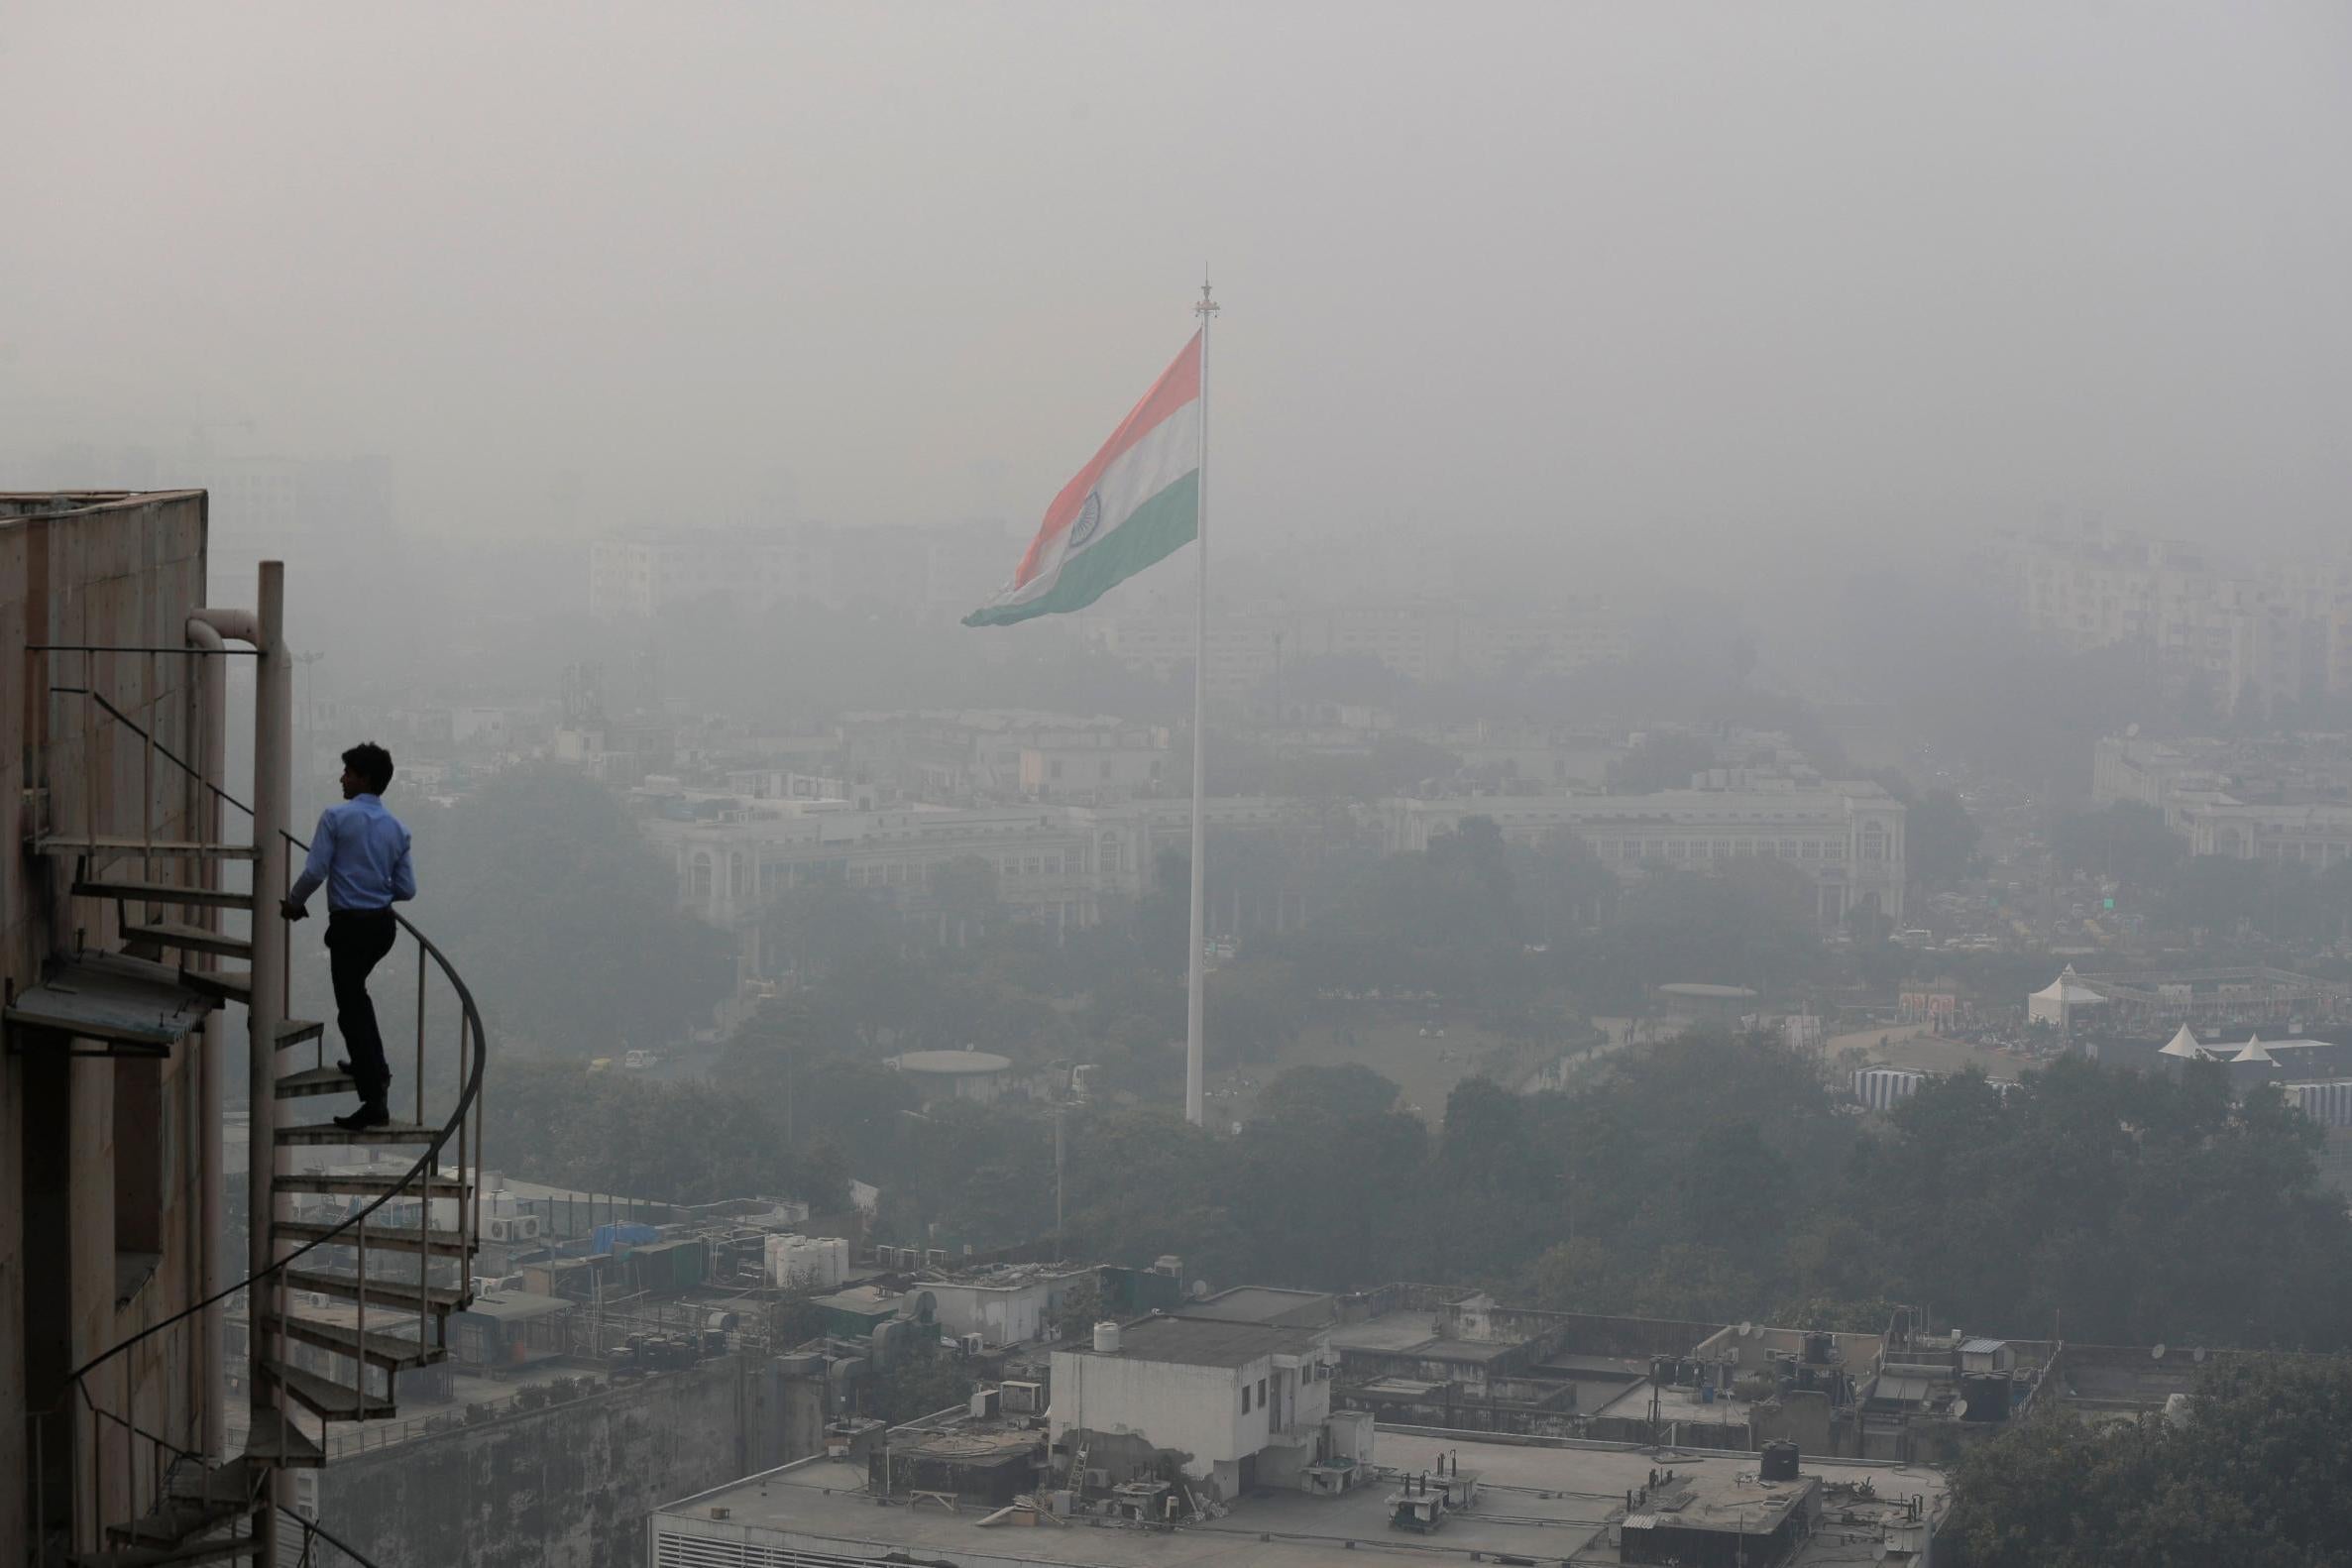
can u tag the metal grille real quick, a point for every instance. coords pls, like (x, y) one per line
(701, 1551)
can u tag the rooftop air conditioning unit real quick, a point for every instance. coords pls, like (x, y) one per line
(972, 1344)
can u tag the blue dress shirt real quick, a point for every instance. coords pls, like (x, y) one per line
(361, 853)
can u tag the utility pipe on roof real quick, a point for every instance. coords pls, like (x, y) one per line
(205, 633)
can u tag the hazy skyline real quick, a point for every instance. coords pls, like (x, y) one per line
(1631, 277)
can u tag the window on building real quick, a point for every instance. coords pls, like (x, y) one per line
(1245, 1398)
(1261, 1391)
(143, 1134)
(699, 880)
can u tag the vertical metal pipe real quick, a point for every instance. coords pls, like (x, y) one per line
(272, 792)
(211, 679)
(359, 1344)
(150, 711)
(89, 749)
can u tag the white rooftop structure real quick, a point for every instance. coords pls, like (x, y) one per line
(2252, 1050)
(2055, 1003)
(2185, 1046)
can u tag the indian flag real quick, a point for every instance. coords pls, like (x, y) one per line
(1138, 500)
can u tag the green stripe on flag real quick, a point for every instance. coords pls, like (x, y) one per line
(1159, 527)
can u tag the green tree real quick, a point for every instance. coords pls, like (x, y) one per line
(2252, 1476)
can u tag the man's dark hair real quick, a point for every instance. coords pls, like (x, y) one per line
(371, 762)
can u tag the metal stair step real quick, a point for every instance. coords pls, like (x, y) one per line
(329, 1133)
(295, 1031)
(188, 938)
(229, 985)
(364, 1185)
(315, 1080)
(272, 1439)
(212, 1551)
(396, 1295)
(114, 846)
(193, 1504)
(386, 1350)
(396, 1238)
(324, 1396)
(161, 893)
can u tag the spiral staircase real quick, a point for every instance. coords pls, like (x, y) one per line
(352, 1275)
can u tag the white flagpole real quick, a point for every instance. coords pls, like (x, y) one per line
(1194, 990)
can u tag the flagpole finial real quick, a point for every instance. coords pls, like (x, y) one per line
(1207, 306)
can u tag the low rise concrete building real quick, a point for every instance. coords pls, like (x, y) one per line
(1240, 1404)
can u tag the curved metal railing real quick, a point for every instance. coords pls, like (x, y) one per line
(418, 1184)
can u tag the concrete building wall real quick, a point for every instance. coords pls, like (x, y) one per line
(1003, 1315)
(118, 570)
(570, 1486)
(1194, 1410)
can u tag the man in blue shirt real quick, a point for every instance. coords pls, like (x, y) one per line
(361, 853)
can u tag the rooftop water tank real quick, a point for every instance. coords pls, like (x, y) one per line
(1106, 1338)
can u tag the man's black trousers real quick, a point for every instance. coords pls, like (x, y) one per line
(357, 940)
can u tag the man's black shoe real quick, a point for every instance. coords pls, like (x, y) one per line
(371, 1115)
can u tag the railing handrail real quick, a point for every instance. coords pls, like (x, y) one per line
(425, 1166)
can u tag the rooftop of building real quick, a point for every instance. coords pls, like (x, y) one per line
(1538, 1502)
(951, 1062)
(1205, 1342)
(1266, 1304)
(517, 1306)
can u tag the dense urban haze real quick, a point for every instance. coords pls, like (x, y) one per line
(1595, 279)
(1775, 949)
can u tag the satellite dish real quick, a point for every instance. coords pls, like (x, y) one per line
(1959, 1410)
(2155, 1352)
(2131, 732)
(2197, 1355)
(1747, 1330)
(1199, 1290)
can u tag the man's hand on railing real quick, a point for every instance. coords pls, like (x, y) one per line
(292, 910)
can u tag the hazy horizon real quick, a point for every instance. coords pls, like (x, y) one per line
(1640, 281)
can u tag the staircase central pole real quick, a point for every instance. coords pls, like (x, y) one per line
(273, 725)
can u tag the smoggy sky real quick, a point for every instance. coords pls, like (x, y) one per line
(1633, 274)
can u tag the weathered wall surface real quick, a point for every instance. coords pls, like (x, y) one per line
(122, 571)
(570, 1486)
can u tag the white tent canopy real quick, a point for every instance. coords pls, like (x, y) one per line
(2252, 1050)
(2055, 1003)
(2184, 1045)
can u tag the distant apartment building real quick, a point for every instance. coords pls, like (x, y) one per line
(2271, 636)
(1846, 838)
